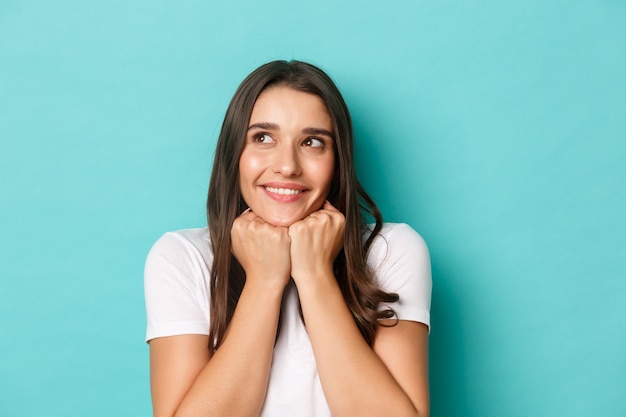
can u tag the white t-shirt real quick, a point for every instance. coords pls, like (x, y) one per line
(177, 277)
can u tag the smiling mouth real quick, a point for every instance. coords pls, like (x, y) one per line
(283, 191)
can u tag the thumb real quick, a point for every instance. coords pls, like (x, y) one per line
(328, 206)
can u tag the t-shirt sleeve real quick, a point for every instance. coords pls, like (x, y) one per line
(175, 285)
(401, 264)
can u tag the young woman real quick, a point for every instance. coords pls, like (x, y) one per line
(288, 304)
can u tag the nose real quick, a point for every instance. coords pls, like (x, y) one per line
(286, 161)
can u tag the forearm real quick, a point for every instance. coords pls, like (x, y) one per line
(234, 381)
(354, 379)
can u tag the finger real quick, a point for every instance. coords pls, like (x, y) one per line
(328, 206)
(248, 215)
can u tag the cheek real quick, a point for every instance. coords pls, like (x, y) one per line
(325, 173)
(249, 167)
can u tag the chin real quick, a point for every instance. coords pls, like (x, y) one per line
(281, 222)
(284, 220)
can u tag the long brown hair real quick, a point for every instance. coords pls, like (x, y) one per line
(224, 202)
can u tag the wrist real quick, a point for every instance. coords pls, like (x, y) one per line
(265, 286)
(315, 281)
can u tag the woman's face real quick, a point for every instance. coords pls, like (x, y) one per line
(287, 164)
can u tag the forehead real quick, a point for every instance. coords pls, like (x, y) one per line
(286, 104)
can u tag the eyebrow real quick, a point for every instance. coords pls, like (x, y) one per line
(318, 131)
(264, 126)
(308, 130)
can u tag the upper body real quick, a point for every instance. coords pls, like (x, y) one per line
(293, 308)
(177, 299)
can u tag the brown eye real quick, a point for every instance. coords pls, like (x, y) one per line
(314, 143)
(263, 138)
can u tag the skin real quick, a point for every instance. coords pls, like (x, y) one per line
(289, 150)
(290, 234)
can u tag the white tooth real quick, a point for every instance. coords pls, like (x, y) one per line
(282, 191)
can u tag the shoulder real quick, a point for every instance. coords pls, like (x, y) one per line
(397, 240)
(400, 262)
(184, 254)
(198, 237)
(182, 243)
(176, 284)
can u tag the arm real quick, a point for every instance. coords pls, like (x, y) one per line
(390, 379)
(186, 381)
(403, 349)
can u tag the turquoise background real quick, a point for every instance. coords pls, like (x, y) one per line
(496, 129)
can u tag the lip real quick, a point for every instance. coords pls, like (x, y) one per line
(284, 198)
